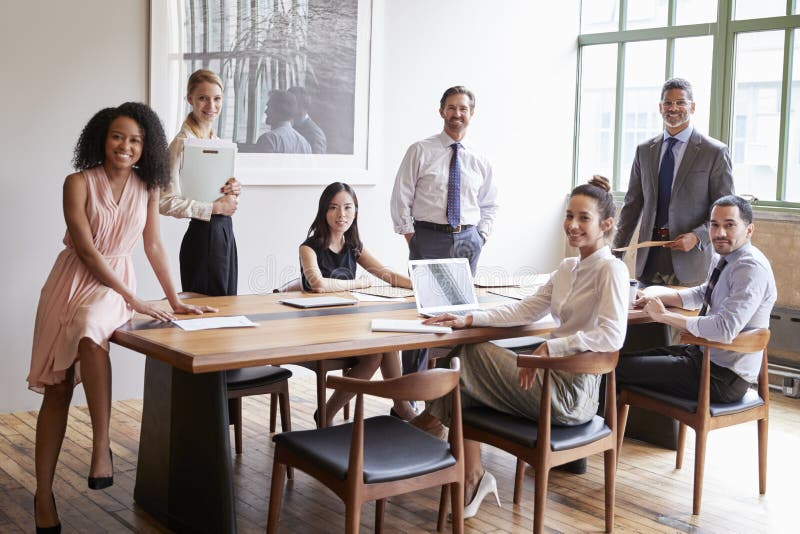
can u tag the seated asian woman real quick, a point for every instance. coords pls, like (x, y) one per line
(328, 261)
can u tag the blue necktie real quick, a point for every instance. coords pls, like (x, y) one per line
(712, 281)
(665, 175)
(454, 189)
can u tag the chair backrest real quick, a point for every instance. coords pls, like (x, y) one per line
(427, 385)
(422, 385)
(750, 341)
(594, 363)
(583, 362)
(292, 285)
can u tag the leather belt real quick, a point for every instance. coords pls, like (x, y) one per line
(446, 228)
(661, 234)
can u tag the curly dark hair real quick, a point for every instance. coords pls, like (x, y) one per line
(320, 232)
(153, 165)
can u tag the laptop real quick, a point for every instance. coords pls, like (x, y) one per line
(443, 286)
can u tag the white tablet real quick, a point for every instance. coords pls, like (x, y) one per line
(318, 302)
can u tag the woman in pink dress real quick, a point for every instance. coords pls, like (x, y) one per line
(122, 161)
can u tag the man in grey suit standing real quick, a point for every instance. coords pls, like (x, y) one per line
(675, 178)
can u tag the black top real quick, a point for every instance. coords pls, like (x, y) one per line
(341, 266)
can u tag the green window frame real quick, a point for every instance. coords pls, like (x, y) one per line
(723, 32)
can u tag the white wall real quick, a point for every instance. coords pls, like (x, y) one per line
(87, 55)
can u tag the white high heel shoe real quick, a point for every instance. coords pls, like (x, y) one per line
(487, 485)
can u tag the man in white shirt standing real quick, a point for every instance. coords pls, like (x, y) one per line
(444, 199)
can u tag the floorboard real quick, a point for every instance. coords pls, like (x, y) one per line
(652, 496)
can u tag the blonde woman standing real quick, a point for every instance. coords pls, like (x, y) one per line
(208, 258)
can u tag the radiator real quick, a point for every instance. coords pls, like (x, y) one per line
(784, 350)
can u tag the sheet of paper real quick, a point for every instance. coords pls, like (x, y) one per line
(643, 244)
(207, 323)
(363, 297)
(407, 325)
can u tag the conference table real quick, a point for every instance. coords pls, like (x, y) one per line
(184, 469)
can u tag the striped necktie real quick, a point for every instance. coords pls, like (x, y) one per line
(454, 189)
(711, 283)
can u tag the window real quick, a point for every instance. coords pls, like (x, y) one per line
(743, 59)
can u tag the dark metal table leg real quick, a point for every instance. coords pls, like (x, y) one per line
(184, 475)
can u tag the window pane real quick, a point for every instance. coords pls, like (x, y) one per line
(598, 87)
(692, 60)
(644, 76)
(646, 14)
(756, 112)
(793, 156)
(695, 11)
(754, 9)
(599, 16)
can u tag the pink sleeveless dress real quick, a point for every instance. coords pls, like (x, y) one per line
(73, 304)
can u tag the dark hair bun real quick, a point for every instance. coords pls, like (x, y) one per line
(601, 182)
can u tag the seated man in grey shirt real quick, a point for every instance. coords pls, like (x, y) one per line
(737, 296)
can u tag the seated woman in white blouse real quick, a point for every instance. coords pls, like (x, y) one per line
(587, 296)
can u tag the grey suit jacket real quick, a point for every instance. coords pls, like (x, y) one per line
(703, 176)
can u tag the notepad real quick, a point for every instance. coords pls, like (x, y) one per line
(408, 325)
(318, 302)
(207, 164)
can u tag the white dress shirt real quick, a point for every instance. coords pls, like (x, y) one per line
(587, 298)
(742, 300)
(171, 202)
(420, 189)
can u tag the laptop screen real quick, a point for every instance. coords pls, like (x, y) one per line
(442, 285)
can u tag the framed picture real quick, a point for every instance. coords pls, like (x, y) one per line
(296, 77)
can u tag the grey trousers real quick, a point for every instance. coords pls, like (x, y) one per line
(430, 244)
(489, 378)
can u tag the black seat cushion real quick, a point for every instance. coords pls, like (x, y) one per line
(750, 400)
(524, 431)
(251, 377)
(393, 449)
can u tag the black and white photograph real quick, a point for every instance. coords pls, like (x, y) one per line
(295, 76)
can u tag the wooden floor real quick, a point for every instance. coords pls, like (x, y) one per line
(651, 495)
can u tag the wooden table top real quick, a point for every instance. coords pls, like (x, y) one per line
(289, 335)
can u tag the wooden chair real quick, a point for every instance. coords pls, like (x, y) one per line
(701, 414)
(320, 367)
(266, 379)
(545, 446)
(381, 456)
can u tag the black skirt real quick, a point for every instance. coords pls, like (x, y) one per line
(209, 262)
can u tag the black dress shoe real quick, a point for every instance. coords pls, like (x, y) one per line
(98, 483)
(576, 467)
(55, 529)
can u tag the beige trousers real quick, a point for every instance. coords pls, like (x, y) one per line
(489, 378)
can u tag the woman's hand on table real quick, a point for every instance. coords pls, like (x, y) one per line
(453, 321)
(140, 306)
(191, 309)
(526, 376)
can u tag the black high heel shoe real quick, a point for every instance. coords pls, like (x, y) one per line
(55, 529)
(98, 483)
